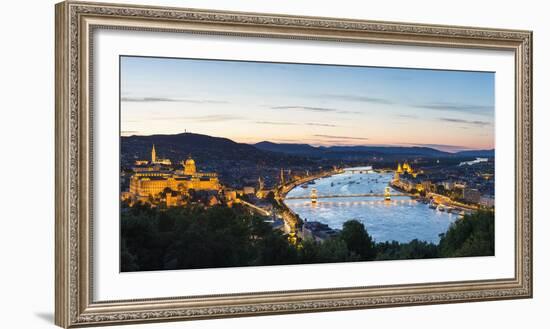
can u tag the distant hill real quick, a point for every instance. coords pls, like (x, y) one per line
(297, 149)
(203, 148)
(392, 150)
(210, 150)
(344, 152)
(237, 164)
(477, 153)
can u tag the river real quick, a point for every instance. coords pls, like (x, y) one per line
(402, 219)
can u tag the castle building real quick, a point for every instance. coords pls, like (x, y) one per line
(144, 184)
(189, 167)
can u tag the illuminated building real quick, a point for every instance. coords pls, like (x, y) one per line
(404, 178)
(154, 160)
(230, 196)
(261, 192)
(407, 168)
(189, 167)
(399, 169)
(151, 183)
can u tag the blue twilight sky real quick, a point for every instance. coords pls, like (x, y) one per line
(317, 104)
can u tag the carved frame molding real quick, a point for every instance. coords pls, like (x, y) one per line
(75, 24)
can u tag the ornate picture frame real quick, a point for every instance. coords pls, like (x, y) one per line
(75, 25)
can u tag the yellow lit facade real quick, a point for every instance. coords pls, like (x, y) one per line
(406, 168)
(406, 183)
(399, 169)
(154, 159)
(144, 184)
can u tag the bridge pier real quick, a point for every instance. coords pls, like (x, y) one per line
(313, 195)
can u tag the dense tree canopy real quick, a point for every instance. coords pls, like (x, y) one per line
(198, 237)
(472, 236)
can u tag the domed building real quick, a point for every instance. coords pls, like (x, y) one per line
(144, 184)
(189, 167)
(407, 168)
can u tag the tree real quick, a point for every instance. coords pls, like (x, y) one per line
(414, 249)
(474, 235)
(128, 261)
(358, 240)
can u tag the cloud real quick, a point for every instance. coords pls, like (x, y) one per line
(201, 118)
(287, 140)
(342, 137)
(307, 108)
(312, 109)
(441, 106)
(167, 99)
(215, 118)
(407, 116)
(129, 132)
(276, 123)
(360, 99)
(457, 107)
(469, 122)
(147, 99)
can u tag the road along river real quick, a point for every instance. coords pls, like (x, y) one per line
(402, 219)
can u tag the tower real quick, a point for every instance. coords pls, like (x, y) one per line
(261, 193)
(399, 170)
(387, 193)
(407, 168)
(153, 155)
(313, 195)
(282, 177)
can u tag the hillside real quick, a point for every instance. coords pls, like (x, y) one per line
(201, 147)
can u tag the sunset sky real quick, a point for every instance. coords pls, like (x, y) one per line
(326, 105)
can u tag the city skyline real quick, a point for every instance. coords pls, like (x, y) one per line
(321, 105)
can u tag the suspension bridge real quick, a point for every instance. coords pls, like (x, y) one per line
(387, 194)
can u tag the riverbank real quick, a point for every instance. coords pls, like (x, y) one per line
(292, 220)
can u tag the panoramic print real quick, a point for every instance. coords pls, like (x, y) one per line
(239, 163)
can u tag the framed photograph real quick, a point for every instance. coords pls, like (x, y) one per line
(218, 164)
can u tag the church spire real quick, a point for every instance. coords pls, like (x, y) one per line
(399, 169)
(260, 183)
(153, 155)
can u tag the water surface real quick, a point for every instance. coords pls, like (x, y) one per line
(402, 219)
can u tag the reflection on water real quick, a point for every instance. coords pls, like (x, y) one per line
(402, 219)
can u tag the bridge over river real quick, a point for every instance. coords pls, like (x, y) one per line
(364, 195)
